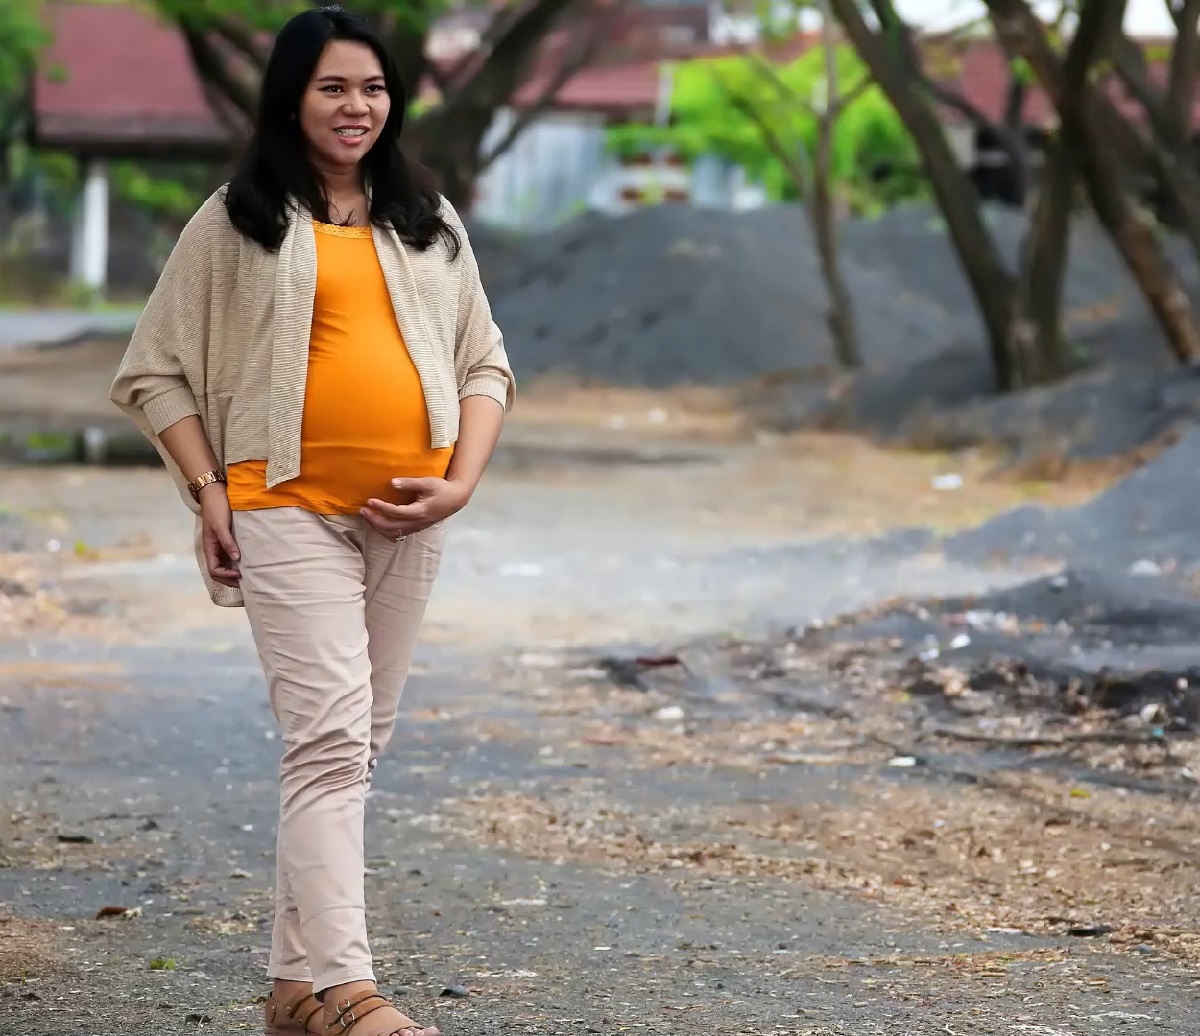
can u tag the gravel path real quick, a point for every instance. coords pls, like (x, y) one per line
(564, 879)
(162, 760)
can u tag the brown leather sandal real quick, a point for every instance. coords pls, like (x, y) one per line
(348, 1016)
(291, 1019)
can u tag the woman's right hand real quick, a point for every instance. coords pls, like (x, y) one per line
(220, 548)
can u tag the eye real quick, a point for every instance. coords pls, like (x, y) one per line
(331, 88)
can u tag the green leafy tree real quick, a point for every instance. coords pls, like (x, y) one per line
(22, 36)
(727, 107)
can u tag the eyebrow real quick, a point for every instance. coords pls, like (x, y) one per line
(343, 79)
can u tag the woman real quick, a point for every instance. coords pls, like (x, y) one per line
(319, 368)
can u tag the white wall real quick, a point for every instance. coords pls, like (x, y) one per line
(547, 176)
(559, 167)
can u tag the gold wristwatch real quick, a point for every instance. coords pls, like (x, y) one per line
(202, 480)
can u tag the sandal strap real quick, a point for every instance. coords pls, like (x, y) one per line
(317, 1009)
(307, 1007)
(348, 1017)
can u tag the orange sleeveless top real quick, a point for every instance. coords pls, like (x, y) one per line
(365, 421)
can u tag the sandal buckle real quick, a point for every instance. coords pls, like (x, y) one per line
(346, 1019)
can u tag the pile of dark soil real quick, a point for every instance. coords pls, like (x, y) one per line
(910, 244)
(674, 295)
(1125, 393)
(1147, 520)
(947, 402)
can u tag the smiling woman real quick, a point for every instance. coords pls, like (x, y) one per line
(347, 103)
(320, 368)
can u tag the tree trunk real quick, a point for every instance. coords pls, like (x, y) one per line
(1181, 78)
(990, 280)
(813, 181)
(1039, 345)
(1014, 108)
(1168, 156)
(842, 325)
(1023, 34)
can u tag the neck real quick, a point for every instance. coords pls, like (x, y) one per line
(340, 182)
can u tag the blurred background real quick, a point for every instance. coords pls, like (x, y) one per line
(891, 217)
(819, 650)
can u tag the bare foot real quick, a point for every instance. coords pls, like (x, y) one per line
(359, 1009)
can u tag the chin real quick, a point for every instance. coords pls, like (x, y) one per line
(344, 161)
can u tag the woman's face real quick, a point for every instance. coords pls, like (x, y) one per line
(345, 106)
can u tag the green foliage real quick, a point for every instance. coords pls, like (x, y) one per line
(708, 116)
(22, 37)
(261, 15)
(269, 15)
(158, 191)
(1022, 72)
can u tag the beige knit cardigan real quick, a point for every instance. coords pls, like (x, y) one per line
(225, 336)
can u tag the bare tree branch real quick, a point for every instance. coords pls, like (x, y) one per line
(241, 39)
(448, 138)
(587, 40)
(214, 69)
(894, 27)
(1185, 59)
(509, 19)
(797, 170)
(837, 104)
(1130, 64)
(1082, 109)
(502, 58)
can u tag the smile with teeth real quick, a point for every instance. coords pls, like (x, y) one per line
(351, 131)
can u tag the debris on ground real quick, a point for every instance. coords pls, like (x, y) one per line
(1022, 761)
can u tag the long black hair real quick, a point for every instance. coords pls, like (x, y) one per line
(275, 172)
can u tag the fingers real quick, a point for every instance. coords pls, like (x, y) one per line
(420, 486)
(221, 572)
(395, 520)
(218, 559)
(395, 512)
(228, 543)
(386, 527)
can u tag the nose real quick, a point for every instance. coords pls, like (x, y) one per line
(355, 103)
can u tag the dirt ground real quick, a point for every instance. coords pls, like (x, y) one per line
(554, 848)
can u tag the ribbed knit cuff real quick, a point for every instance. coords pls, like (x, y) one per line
(171, 406)
(491, 384)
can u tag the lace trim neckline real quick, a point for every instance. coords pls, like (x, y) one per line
(334, 230)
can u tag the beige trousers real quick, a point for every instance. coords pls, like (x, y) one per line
(335, 610)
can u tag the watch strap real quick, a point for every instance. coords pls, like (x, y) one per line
(207, 478)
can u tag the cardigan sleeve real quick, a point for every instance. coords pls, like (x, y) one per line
(481, 364)
(161, 377)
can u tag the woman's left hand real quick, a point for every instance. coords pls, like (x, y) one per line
(431, 500)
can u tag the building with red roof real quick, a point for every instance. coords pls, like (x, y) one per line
(118, 81)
